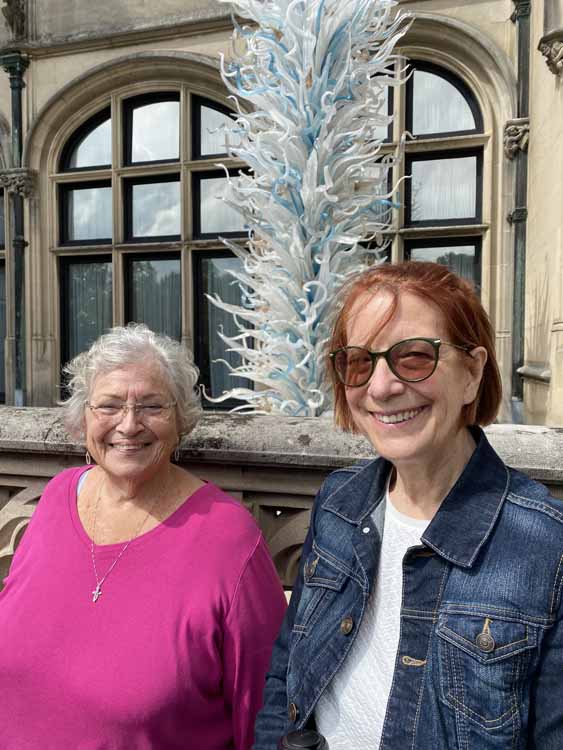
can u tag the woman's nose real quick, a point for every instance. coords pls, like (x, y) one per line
(130, 420)
(383, 382)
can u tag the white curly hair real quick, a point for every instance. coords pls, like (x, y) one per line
(132, 344)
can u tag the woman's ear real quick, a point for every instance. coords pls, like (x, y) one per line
(475, 364)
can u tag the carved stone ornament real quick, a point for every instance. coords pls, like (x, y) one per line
(552, 50)
(14, 17)
(516, 136)
(20, 181)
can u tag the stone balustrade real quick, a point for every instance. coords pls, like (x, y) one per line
(273, 465)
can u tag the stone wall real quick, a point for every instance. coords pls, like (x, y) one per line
(274, 466)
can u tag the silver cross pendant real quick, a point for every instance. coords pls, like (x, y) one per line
(96, 593)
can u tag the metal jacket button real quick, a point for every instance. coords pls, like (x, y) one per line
(310, 568)
(292, 712)
(346, 625)
(485, 642)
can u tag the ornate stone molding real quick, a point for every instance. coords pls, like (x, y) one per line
(521, 10)
(15, 18)
(517, 215)
(19, 181)
(551, 47)
(516, 136)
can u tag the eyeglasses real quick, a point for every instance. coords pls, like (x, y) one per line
(411, 360)
(145, 413)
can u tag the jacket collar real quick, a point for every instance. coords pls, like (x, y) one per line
(466, 517)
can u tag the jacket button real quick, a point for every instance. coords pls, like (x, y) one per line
(310, 568)
(292, 712)
(346, 626)
(485, 642)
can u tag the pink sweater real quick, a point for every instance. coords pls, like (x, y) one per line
(171, 657)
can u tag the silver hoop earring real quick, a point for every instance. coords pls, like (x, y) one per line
(177, 454)
(88, 457)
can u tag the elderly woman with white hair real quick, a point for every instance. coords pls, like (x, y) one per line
(142, 603)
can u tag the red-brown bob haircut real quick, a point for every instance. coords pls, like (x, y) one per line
(467, 324)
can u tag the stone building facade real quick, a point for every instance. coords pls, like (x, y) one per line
(110, 116)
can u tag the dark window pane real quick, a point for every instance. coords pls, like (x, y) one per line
(155, 131)
(90, 144)
(86, 304)
(460, 255)
(154, 295)
(213, 278)
(155, 209)
(2, 221)
(88, 213)
(460, 258)
(438, 106)
(213, 125)
(443, 189)
(93, 149)
(216, 217)
(2, 330)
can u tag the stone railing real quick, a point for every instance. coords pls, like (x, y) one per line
(274, 466)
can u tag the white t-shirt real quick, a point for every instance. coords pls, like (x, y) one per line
(351, 711)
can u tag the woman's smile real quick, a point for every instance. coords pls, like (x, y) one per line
(399, 417)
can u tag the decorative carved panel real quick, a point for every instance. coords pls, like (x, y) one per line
(18, 498)
(516, 136)
(552, 50)
(15, 18)
(18, 180)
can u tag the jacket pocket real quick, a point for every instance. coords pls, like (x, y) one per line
(483, 661)
(323, 575)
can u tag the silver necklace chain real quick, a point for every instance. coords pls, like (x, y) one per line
(97, 592)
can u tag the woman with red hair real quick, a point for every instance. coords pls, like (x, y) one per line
(427, 612)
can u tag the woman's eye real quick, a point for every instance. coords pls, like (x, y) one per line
(109, 409)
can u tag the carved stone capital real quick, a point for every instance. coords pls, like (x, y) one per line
(15, 18)
(551, 47)
(516, 136)
(517, 215)
(15, 64)
(18, 180)
(521, 10)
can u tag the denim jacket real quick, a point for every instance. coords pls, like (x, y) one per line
(480, 658)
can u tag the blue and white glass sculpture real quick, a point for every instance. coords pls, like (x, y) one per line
(316, 76)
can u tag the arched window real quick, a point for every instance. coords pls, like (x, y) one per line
(441, 216)
(139, 221)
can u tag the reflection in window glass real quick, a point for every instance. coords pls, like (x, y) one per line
(2, 221)
(217, 280)
(213, 131)
(458, 258)
(443, 189)
(382, 131)
(2, 330)
(438, 106)
(154, 295)
(156, 209)
(88, 302)
(381, 207)
(156, 132)
(94, 149)
(215, 215)
(88, 214)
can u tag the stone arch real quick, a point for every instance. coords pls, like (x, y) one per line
(72, 105)
(83, 95)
